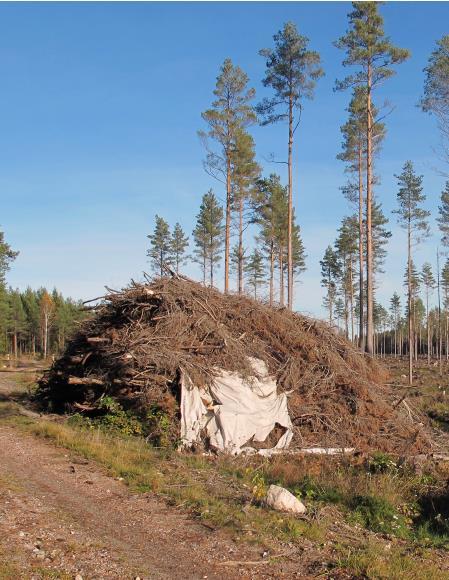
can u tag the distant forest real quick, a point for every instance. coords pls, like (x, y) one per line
(36, 322)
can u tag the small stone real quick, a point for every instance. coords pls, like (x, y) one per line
(281, 499)
(78, 577)
(21, 534)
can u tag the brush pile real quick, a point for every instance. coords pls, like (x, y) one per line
(139, 341)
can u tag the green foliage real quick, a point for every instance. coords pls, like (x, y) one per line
(158, 426)
(368, 48)
(443, 216)
(291, 71)
(230, 113)
(7, 256)
(411, 216)
(178, 245)
(259, 486)
(255, 270)
(380, 462)
(378, 515)
(208, 235)
(436, 96)
(160, 251)
(22, 320)
(310, 489)
(115, 419)
(330, 275)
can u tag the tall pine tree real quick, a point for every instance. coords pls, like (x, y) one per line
(208, 235)
(291, 72)
(178, 245)
(160, 251)
(231, 112)
(371, 52)
(413, 218)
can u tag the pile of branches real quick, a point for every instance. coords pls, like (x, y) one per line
(139, 340)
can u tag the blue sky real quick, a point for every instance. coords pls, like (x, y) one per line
(100, 105)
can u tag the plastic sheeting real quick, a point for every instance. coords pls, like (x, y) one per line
(234, 411)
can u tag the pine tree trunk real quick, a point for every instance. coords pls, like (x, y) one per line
(211, 265)
(352, 299)
(290, 206)
(361, 259)
(428, 327)
(228, 221)
(409, 297)
(346, 304)
(369, 241)
(240, 257)
(271, 272)
(45, 335)
(281, 278)
(204, 265)
(447, 336)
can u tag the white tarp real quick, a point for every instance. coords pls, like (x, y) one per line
(234, 411)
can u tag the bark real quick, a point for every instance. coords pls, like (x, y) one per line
(409, 297)
(369, 241)
(271, 272)
(228, 222)
(428, 328)
(290, 206)
(240, 251)
(45, 334)
(14, 344)
(281, 278)
(351, 299)
(361, 259)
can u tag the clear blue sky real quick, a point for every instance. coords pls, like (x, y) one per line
(99, 108)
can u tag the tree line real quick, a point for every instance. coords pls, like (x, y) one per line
(35, 322)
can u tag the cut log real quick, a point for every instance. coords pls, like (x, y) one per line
(97, 339)
(84, 381)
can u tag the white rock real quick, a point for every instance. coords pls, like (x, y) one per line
(282, 500)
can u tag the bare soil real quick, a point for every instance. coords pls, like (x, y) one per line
(62, 516)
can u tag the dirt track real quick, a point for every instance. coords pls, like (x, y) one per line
(63, 514)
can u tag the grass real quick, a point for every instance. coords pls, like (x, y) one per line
(379, 561)
(226, 492)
